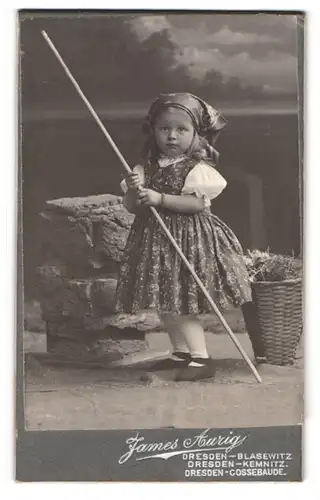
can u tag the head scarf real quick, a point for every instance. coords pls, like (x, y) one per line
(207, 120)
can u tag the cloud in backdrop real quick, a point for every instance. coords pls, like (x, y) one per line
(130, 58)
(257, 49)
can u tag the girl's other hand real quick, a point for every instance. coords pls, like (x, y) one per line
(149, 197)
(133, 181)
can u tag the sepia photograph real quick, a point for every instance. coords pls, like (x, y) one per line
(161, 163)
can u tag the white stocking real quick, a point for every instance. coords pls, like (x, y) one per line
(173, 327)
(194, 337)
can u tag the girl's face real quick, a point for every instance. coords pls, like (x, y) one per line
(174, 132)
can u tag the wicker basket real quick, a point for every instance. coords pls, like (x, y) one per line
(279, 309)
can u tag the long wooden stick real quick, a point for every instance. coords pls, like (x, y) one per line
(154, 211)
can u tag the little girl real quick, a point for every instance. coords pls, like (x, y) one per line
(179, 179)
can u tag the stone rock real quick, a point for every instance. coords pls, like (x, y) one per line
(121, 347)
(70, 336)
(103, 295)
(82, 240)
(78, 297)
(143, 321)
(87, 232)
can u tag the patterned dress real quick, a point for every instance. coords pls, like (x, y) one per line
(153, 276)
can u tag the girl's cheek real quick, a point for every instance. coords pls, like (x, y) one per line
(165, 138)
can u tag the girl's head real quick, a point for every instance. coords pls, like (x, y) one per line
(182, 124)
(174, 132)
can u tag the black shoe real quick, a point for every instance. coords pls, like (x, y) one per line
(172, 364)
(194, 373)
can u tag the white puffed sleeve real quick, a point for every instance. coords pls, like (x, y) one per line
(205, 182)
(138, 169)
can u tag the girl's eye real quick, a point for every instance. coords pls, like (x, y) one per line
(182, 129)
(164, 129)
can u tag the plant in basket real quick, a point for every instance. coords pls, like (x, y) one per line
(276, 282)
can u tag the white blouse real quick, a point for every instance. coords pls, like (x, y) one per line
(203, 181)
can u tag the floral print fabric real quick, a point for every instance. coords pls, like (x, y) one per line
(153, 276)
